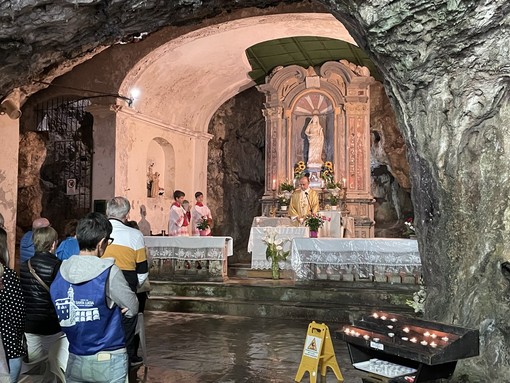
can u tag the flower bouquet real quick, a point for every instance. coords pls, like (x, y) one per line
(418, 302)
(327, 173)
(314, 223)
(409, 228)
(299, 170)
(274, 250)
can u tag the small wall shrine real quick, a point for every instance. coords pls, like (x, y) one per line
(317, 122)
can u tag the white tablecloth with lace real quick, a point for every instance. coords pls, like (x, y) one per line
(362, 257)
(258, 248)
(190, 248)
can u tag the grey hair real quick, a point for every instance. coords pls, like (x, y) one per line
(118, 207)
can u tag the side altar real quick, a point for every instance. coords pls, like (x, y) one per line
(317, 116)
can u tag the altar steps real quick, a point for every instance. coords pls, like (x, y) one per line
(256, 297)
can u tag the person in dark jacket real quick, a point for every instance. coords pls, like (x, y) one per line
(42, 328)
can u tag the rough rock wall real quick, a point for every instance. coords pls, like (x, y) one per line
(32, 153)
(236, 168)
(446, 69)
(391, 186)
(446, 65)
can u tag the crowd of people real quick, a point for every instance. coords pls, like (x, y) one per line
(74, 307)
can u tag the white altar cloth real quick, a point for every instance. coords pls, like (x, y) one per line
(333, 226)
(258, 248)
(364, 257)
(190, 248)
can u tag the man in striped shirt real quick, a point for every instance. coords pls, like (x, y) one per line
(128, 249)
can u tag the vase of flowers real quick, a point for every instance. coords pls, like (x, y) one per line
(274, 250)
(203, 225)
(314, 223)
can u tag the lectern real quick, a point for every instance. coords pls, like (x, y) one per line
(393, 348)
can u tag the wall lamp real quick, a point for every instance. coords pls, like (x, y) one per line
(10, 108)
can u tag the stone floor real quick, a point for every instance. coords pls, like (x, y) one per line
(196, 348)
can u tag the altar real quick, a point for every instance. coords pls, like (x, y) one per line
(287, 229)
(374, 259)
(178, 256)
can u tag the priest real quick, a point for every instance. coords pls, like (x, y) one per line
(304, 201)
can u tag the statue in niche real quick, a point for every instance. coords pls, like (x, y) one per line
(155, 185)
(315, 135)
(149, 180)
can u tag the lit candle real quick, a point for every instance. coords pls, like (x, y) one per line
(433, 344)
(445, 338)
(414, 340)
(405, 329)
(366, 337)
(274, 183)
(375, 315)
(344, 183)
(426, 333)
(423, 342)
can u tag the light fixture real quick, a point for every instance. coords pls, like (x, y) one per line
(8, 107)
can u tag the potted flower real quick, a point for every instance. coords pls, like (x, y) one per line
(274, 250)
(283, 201)
(314, 223)
(287, 188)
(333, 200)
(203, 225)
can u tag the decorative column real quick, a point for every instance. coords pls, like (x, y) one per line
(274, 123)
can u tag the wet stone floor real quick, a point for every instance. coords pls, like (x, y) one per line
(196, 348)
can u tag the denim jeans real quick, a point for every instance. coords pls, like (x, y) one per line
(15, 368)
(103, 367)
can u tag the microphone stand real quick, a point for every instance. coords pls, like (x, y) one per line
(309, 205)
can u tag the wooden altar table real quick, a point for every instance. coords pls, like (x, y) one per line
(169, 254)
(356, 258)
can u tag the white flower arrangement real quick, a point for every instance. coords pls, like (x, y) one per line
(418, 302)
(275, 245)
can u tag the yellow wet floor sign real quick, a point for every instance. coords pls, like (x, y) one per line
(318, 349)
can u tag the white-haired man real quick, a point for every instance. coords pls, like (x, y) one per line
(128, 249)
